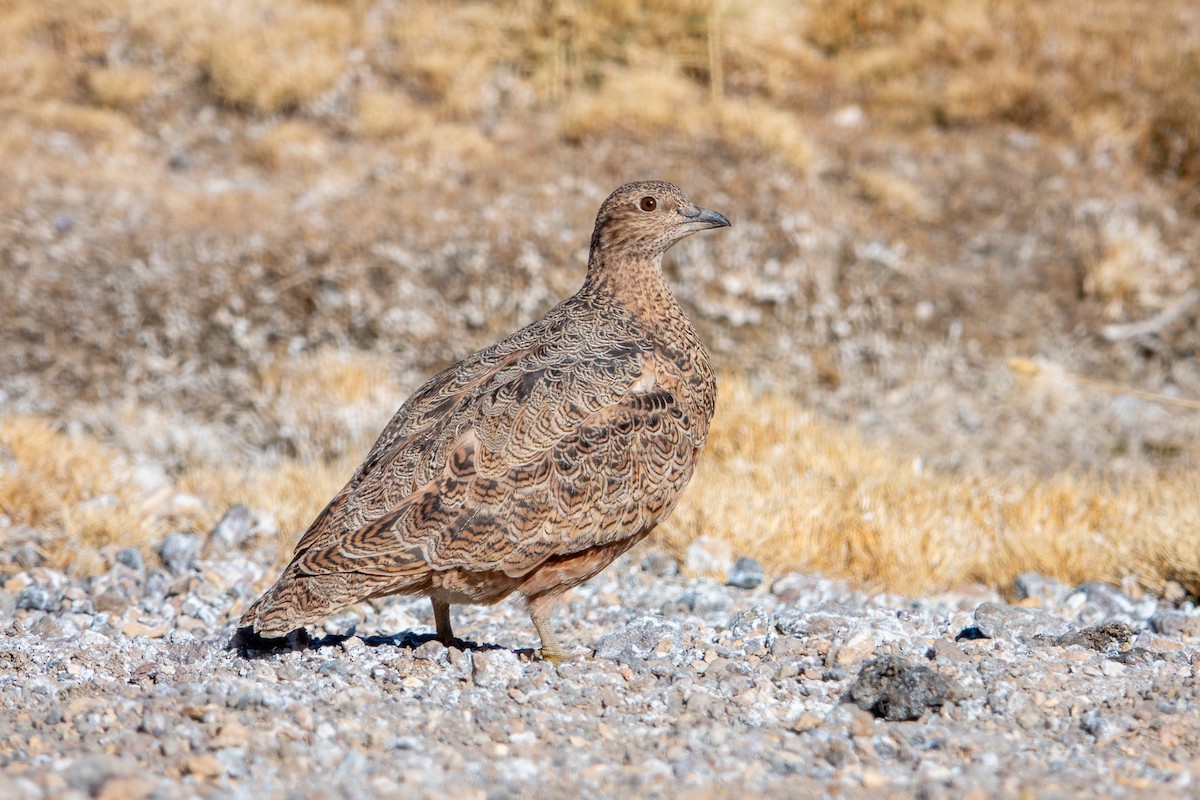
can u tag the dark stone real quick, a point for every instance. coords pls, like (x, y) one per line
(234, 528)
(131, 557)
(970, 634)
(1175, 623)
(747, 573)
(179, 552)
(1137, 656)
(892, 688)
(39, 598)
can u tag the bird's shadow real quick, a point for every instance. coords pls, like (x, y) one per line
(248, 644)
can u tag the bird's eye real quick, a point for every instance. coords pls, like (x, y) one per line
(649, 203)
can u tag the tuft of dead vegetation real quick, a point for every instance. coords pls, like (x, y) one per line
(800, 494)
(1103, 70)
(78, 493)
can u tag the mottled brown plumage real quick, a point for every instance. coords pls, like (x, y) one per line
(532, 464)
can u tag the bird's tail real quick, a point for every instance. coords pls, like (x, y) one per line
(297, 600)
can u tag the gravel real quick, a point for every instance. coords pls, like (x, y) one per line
(122, 686)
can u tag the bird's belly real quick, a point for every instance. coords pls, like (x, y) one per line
(561, 573)
(459, 586)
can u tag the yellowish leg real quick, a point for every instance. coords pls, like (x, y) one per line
(441, 619)
(539, 611)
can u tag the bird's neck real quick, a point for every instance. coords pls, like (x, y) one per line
(636, 283)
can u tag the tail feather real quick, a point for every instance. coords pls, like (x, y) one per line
(297, 600)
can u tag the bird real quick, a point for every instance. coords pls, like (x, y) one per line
(531, 465)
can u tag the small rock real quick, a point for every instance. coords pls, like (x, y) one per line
(496, 669)
(233, 529)
(1137, 656)
(1106, 728)
(640, 640)
(46, 627)
(431, 650)
(708, 555)
(131, 557)
(204, 766)
(747, 573)
(894, 689)
(179, 551)
(806, 722)
(857, 645)
(999, 621)
(111, 601)
(231, 734)
(1031, 585)
(804, 590)
(1175, 623)
(124, 789)
(752, 622)
(39, 598)
(874, 780)
(660, 564)
(943, 648)
(137, 628)
(1108, 603)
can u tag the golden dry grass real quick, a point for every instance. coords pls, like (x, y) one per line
(1087, 71)
(75, 488)
(801, 494)
(777, 483)
(279, 55)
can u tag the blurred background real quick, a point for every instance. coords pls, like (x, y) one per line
(234, 234)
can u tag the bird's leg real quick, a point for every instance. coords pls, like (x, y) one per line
(540, 608)
(441, 620)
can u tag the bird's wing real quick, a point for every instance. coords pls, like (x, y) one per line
(538, 461)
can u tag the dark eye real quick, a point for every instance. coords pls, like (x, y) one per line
(648, 203)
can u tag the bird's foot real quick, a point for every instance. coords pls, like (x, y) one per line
(555, 656)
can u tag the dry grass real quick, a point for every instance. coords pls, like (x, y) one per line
(79, 491)
(897, 196)
(801, 494)
(289, 142)
(778, 484)
(637, 102)
(120, 87)
(383, 113)
(278, 56)
(1087, 70)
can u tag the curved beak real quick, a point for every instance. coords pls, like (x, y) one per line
(699, 219)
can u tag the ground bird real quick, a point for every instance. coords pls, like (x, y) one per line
(531, 465)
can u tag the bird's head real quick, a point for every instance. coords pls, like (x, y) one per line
(643, 219)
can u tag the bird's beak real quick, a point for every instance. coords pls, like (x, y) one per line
(699, 219)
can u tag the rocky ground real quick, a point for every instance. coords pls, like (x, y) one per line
(122, 686)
